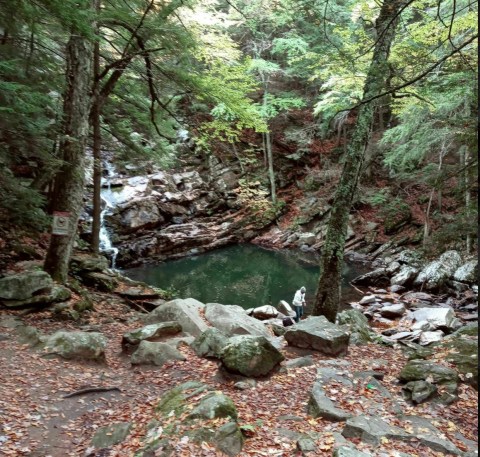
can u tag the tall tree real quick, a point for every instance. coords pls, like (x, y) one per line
(327, 297)
(70, 180)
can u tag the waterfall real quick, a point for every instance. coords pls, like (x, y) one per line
(108, 199)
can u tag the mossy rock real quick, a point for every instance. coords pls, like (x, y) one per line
(100, 281)
(357, 323)
(188, 410)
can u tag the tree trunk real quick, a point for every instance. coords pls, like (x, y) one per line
(327, 298)
(97, 144)
(70, 181)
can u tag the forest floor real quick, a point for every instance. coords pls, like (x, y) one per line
(38, 421)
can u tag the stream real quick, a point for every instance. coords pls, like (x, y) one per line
(244, 275)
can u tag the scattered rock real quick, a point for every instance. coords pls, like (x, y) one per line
(437, 317)
(435, 274)
(150, 353)
(393, 311)
(264, 312)
(431, 337)
(151, 332)
(467, 273)
(419, 391)
(371, 430)
(319, 405)
(368, 299)
(357, 323)
(404, 276)
(250, 355)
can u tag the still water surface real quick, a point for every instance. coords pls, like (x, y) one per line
(244, 275)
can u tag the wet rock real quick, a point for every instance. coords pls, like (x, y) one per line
(24, 285)
(251, 356)
(184, 311)
(111, 434)
(151, 332)
(210, 343)
(232, 320)
(319, 334)
(150, 353)
(436, 274)
(77, 345)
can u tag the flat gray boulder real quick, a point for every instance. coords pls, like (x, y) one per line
(232, 320)
(24, 285)
(151, 332)
(77, 345)
(250, 355)
(56, 294)
(437, 317)
(151, 353)
(371, 430)
(317, 333)
(184, 311)
(319, 405)
(347, 451)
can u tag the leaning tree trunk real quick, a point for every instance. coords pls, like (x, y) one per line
(327, 298)
(70, 180)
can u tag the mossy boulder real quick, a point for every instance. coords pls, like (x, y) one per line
(101, 281)
(357, 324)
(250, 355)
(77, 345)
(111, 434)
(192, 410)
(24, 285)
(56, 294)
(82, 263)
(210, 343)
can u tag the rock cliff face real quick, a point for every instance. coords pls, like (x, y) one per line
(161, 215)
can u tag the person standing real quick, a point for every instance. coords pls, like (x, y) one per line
(299, 303)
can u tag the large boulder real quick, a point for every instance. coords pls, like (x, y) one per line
(77, 345)
(404, 276)
(24, 285)
(151, 332)
(56, 294)
(80, 263)
(184, 311)
(232, 320)
(372, 430)
(138, 214)
(319, 334)
(436, 274)
(264, 312)
(250, 355)
(151, 353)
(192, 411)
(393, 311)
(467, 272)
(433, 373)
(357, 323)
(285, 308)
(210, 343)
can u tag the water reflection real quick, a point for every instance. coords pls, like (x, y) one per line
(244, 275)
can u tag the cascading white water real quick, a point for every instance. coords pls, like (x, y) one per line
(107, 197)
